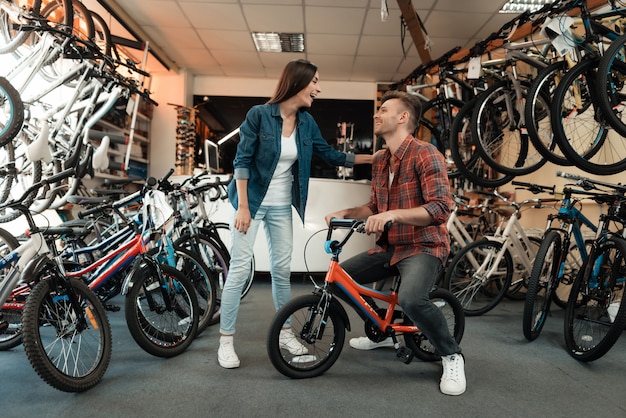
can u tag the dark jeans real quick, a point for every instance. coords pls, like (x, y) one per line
(418, 274)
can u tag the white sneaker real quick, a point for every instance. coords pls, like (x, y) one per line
(226, 356)
(287, 341)
(364, 343)
(453, 377)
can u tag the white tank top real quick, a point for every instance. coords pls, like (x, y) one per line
(279, 190)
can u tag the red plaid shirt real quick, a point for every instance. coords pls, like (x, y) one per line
(420, 179)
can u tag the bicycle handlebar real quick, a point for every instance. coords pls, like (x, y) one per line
(36, 186)
(534, 188)
(588, 184)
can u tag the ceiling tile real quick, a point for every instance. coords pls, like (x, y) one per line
(270, 18)
(339, 20)
(230, 40)
(331, 44)
(380, 46)
(214, 16)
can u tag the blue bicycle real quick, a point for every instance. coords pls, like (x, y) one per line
(558, 259)
(595, 315)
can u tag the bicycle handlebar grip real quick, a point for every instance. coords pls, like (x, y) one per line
(168, 175)
(60, 176)
(85, 213)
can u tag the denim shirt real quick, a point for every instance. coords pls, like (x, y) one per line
(259, 149)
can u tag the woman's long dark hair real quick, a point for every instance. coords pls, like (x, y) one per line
(296, 75)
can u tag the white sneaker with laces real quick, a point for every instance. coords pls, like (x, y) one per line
(364, 343)
(287, 341)
(226, 356)
(453, 377)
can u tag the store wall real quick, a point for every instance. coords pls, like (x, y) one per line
(179, 89)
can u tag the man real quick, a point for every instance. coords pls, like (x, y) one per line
(410, 190)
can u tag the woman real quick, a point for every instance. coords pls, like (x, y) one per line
(271, 172)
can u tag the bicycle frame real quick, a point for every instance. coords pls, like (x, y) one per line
(356, 294)
(19, 259)
(514, 239)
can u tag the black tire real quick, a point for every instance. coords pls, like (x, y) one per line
(204, 281)
(162, 317)
(499, 136)
(453, 312)
(538, 116)
(590, 329)
(541, 285)
(307, 325)
(580, 128)
(11, 311)
(102, 34)
(610, 88)
(69, 350)
(478, 295)
(439, 133)
(466, 158)
(11, 112)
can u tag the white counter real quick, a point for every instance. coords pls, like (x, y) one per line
(325, 196)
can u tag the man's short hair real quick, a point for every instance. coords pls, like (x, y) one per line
(411, 103)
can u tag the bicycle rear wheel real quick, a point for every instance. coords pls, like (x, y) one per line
(579, 126)
(596, 312)
(161, 309)
(610, 88)
(538, 116)
(69, 349)
(452, 310)
(321, 331)
(468, 277)
(467, 159)
(11, 312)
(499, 130)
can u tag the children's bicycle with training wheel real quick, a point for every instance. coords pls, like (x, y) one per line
(319, 321)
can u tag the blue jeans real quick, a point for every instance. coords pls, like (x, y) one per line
(418, 274)
(279, 232)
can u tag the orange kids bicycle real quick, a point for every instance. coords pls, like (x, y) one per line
(319, 321)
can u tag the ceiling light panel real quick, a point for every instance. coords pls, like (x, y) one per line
(520, 6)
(278, 42)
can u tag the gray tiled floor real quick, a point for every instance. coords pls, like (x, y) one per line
(507, 377)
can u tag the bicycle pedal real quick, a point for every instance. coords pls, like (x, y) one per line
(112, 308)
(404, 354)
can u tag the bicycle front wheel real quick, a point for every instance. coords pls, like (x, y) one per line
(66, 334)
(11, 112)
(543, 280)
(321, 332)
(11, 311)
(452, 311)
(477, 279)
(161, 310)
(596, 313)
